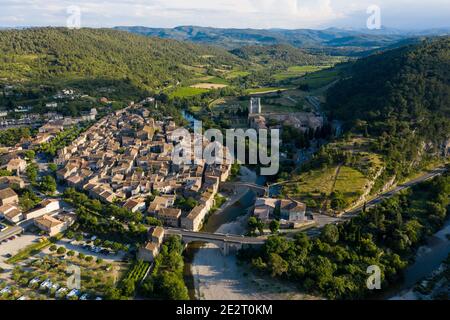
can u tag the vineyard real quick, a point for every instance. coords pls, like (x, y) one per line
(137, 271)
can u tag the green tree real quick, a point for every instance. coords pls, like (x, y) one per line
(274, 226)
(277, 265)
(48, 185)
(330, 234)
(252, 224)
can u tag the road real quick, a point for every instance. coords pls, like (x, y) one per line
(214, 236)
(389, 194)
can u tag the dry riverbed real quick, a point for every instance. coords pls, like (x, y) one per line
(217, 277)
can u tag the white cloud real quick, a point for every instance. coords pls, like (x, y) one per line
(225, 13)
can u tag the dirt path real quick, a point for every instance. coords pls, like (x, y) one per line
(336, 175)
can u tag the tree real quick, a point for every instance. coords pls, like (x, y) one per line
(30, 154)
(61, 250)
(152, 221)
(330, 234)
(252, 224)
(48, 185)
(53, 247)
(32, 172)
(53, 167)
(128, 287)
(277, 265)
(337, 201)
(173, 287)
(260, 226)
(274, 226)
(5, 173)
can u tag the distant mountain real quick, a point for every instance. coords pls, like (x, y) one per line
(332, 38)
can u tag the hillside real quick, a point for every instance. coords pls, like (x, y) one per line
(337, 41)
(278, 55)
(401, 97)
(49, 54)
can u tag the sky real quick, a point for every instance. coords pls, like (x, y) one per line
(289, 14)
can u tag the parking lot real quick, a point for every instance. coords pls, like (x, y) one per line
(81, 247)
(11, 247)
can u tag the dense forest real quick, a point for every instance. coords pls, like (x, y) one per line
(401, 97)
(334, 265)
(41, 54)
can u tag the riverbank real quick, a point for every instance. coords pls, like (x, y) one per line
(213, 276)
(218, 277)
(429, 259)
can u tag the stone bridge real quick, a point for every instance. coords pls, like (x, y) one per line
(232, 186)
(226, 243)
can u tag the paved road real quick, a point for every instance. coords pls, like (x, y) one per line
(9, 232)
(391, 193)
(214, 236)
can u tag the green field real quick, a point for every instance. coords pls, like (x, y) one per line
(183, 92)
(351, 183)
(236, 74)
(320, 79)
(210, 79)
(297, 71)
(317, 185)
(265, 90)
(351, 178)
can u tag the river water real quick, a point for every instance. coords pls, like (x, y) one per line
(428, 259)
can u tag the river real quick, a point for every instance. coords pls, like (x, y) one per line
(428, 259)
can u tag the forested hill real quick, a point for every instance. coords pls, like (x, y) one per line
(400, 96)
(58, 53)
(347, 40)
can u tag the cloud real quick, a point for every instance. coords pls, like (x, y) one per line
(225, 13)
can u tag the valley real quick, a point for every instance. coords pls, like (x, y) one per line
(364, 149)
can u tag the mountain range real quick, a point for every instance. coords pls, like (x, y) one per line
(331, 39)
